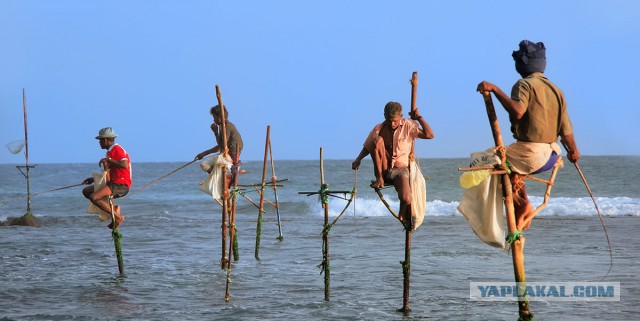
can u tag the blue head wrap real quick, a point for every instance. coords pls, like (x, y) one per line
(530, 57)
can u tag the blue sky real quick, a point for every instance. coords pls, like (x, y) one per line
(318, 72)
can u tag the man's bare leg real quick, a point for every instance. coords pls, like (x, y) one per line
(522, 208)
(99, 199)
(403, 188)
(379, 157)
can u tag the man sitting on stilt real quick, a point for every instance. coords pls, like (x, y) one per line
(118, 165)
(538, 114)
(390, 144)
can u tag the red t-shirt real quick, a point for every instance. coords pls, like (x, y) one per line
(119, 175)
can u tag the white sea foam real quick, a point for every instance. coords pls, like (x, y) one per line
(560, 206)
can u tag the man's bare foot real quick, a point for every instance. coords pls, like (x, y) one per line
(406, 223)
(379, 183)
(118, 216)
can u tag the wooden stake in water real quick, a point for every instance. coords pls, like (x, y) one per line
(26, 149)
(274, 180)
(517, 247)
(225, 194)
(117, 236)
(325, 235)
(406, 264)
(232, 234)
(261, 204)
(28, 219)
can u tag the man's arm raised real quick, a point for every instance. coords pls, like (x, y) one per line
(426, 132)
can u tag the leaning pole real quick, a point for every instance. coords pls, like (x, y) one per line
(515, 238)
(225, 197)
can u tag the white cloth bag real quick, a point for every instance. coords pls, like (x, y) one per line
(99, 181)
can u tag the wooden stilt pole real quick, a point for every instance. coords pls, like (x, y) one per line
(406, 271)
(325, 234)
(232, 236)
(261, 206)
(406, 264)
(274, 180)
(517, 246)
(324, 194)
(28, 219)
(117, 236)
(26, 150)
(225, 197)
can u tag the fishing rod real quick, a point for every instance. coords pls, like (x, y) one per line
(161, 177)
(593, 199)
(74, 185)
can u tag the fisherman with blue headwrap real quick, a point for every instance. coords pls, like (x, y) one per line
(538, 114)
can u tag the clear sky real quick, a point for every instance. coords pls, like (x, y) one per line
(318, 72)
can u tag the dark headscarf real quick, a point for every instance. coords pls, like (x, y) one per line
(530, 57)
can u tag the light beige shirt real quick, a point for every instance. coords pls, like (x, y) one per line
(403, 138)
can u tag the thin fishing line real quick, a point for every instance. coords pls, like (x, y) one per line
(604, 227)
(593, 199)
(355, 186)
(157, 180)
(40, 193)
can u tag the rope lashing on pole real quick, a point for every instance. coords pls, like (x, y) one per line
(235, 191)
(323, 194)
(513, 236)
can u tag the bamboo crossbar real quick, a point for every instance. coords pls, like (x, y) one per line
(464, 169)
(272, 203)
(260, 185)
(386, 204)
(548, 182)
(265, 184)
(261, 191)
(328, 192)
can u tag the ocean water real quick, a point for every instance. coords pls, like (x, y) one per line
(67, 270)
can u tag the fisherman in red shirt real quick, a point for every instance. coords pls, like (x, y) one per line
(118, 163)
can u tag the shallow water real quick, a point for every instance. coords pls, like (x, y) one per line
(66, 269)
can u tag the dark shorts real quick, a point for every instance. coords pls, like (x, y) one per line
(118, 190)
(392, 173)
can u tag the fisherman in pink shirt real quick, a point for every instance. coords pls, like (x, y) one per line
(390, 144)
